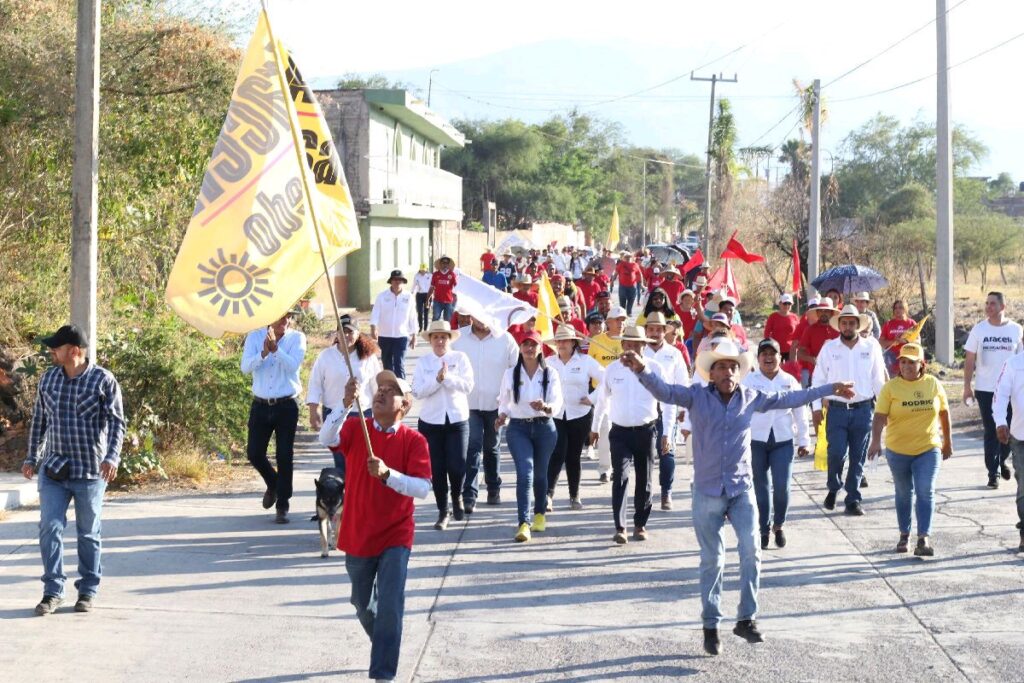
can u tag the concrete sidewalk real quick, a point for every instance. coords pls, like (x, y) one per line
(205, 588)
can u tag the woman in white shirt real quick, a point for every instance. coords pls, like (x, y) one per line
(771, 443)
(421, 288)
(442, 384)
(330, 374)
(530, 394)
(580, 375)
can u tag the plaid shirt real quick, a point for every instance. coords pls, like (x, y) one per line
(80, 420)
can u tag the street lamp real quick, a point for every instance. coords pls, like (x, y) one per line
(430, 84)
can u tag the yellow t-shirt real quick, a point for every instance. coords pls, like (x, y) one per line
(604, 349)
(913, 409)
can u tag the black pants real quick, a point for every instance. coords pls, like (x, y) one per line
(995, 453)
(281, 420)
(632, 446)
(447, 444)
(572, 436)
(422, 312)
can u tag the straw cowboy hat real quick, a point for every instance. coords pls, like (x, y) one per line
(656, 318)
(564, 333)
(440, 327)
(850, 311)
(437, 264)
(723, 349)
(700, 282)
(633, 333)
(524, 279)
(862, 296)
(670, 271)
(825, 304)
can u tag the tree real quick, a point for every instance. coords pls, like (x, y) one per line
(1002, 186)
(354, 81)
(723, 158)
(910, 202)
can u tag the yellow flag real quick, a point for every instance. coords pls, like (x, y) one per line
(547, 308)
(251, 248)
(914, 334)
(613, 234)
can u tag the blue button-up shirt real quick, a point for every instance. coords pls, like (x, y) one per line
(78, 420)
(496, 279)
(277, 375)
(721, 431)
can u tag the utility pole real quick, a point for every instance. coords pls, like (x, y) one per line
(814, 224)
(943, 196)
(644, 225)
(715, 79)
(84, 172)
(430, 84)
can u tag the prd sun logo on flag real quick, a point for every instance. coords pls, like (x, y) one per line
(234, 283)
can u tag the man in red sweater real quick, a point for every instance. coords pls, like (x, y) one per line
(781, 325)
(631, 281)
(817, 334)
(673, 286)
(526, 290)
(588, 286)
(377, 516)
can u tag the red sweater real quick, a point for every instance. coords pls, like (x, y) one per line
(375, 517)
(629, 273)
(782, 329)
(814, 338)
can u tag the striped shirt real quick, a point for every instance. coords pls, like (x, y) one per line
(80, 420)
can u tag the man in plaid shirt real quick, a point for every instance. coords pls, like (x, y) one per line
(75, 447)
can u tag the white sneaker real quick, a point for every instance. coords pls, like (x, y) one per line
(590, 453)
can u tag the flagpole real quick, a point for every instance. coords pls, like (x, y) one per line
(316, 225)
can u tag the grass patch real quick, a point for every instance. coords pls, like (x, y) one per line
(189, 464)
(4, 514)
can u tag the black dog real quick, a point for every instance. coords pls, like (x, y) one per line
(330, 494)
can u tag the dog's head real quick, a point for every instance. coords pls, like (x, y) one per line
(330, 489)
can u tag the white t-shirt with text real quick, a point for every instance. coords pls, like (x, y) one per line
(993, 346)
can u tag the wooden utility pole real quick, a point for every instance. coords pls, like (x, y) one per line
(85, 171)
(943, 196)
(715, 79)
(814, 222)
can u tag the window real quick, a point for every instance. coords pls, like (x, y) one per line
(410, 252)
(379, 266)
(395, 248)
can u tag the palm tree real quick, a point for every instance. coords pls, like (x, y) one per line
(795, 153)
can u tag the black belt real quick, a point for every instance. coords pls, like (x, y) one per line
(650, 425)
(850, 406)
(529, 419)
(272, 401)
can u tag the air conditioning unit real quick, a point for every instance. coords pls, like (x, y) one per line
(389, 196)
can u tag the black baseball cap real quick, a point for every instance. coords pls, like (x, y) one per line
(68, 334)
(768, 344)
(397, 274)
(595, 318)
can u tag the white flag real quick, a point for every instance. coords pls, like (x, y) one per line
(492, 307)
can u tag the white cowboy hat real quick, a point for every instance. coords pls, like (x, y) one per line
(850, 311)
(825, 304)
(862, 296)
(723, 349)
(633, 333)
(440, 326)
(670, 271)
(700, 281)
(524, 279)
(564, 333)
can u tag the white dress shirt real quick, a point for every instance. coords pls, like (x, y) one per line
(787, 424)
(530, 389)
(394, 315)
(277, 375)
(1010, 392)
(329, 376)
(490, 358)
(421, 282)
(671, 361)
(863, 365)
(623, 399)
(449, 398)
(575, 377)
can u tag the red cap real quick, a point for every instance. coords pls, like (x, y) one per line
(556, 276)
(532, 335)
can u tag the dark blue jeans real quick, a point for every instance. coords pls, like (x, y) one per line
(483, 440)
(848, 430)
(666, 461)
(392, 354)
(448, 444)
(54, 498)
(772, 496)
(632, 446)
(443, 311)
(378, 594)
(627, 297)
(281, 421)
(995, 452)
(422, 310)
(531, 444)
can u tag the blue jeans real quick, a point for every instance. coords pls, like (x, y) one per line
(392, 354)
(627, 297)
(531, 444)
(54, 498)
(443, 311)
(709, 515)
(483, 440)
(910, 474)
(848, 429)
(772, 496)
(448, 444)
(378, 594)
(666, 461)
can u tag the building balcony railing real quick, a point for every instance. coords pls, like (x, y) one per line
(417, 184)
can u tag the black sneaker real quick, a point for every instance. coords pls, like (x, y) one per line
(604, 478)
(780, 538)
(712, 643)
(281, 517)
(765, 536)
(854, 510)
(269, 498)
(830, 500)
(469, 506)
(442, 520)
(924, 548)
(993, 481)
(1004, 471)
(458, 514)
(48, 605)
(493, 498)
(84, 603)
(747, 630)
(863, 482)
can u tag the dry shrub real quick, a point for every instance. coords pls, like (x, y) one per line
(186, 464)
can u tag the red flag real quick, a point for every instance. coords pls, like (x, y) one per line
(723, 279)
(695, 260)
(796, 270)
(736, 250)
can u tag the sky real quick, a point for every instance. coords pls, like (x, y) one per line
(532, 59)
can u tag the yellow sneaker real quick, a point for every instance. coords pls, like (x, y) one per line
(523, 534)
(540, 523)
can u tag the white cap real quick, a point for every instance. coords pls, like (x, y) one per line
(786, 299)
(616, 312)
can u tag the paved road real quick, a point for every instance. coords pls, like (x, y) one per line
(203, 587)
